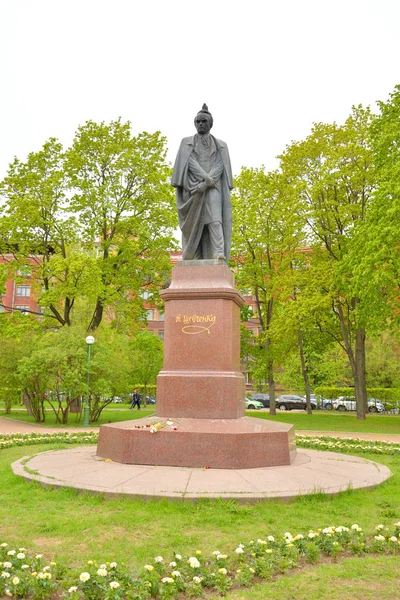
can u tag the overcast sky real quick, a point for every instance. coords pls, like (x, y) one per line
(267, 69)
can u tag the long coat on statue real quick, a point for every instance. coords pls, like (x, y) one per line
(191, 207)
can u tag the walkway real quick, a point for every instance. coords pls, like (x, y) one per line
(15, 426)
(311, 471)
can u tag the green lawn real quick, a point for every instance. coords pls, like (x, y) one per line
(334, 421)
(108, 415)
(318, 421)
(72, 527)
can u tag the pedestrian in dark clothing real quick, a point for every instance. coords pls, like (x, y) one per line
(135, 400)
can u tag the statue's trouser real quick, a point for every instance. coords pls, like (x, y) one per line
(211, 243)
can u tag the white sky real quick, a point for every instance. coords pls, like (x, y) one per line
(267, 69)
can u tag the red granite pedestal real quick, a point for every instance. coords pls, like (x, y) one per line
(200, 418)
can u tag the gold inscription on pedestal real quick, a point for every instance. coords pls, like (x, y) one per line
(193, 324)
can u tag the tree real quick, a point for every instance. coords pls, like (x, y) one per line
(332, 173)
(147, 353)
(263, 235)
(125, 205)
(97, 221)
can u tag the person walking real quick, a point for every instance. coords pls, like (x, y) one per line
(135, 399)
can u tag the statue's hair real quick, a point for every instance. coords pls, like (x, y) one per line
(204, 110)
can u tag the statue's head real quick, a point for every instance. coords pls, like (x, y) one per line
(203, 121)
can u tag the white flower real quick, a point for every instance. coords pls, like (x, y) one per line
(178, 557)
(262, 542)
(73, 589)
(216, 552)
(7, 565)
(149, 568)
(102, 572)
(379, 538)
(103, 566)
(39, 556)
(379, 527)
(5, 575)
(153, 429)
(24, 566)
(172, 564)
(271, 538)
(46, 568)
(7, 592)
(299, 536)
(21, 549)
(158, 559)
(167, 580)
(20, 555)
(311, 535)
(41, 575)
(268, 551)
(193, 562)
(11, 552)
(169, 422)
(175, 574)
(196, 579)
(239, 550)
(113, 565)
(222, 571)
(114, 585)
(84, 576)
(15, 580)
(4, 545)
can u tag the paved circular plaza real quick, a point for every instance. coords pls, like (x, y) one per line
(311, 472)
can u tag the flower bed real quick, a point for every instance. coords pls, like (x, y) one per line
(347, 445)
(25, 576)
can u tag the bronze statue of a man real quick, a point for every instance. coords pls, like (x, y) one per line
(202, 177)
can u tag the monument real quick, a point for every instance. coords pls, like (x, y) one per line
(200, 413)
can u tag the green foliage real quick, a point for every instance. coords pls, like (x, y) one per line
(378, 393)
(147, 359)
(96, 220)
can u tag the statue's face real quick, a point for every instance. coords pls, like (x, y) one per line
(202, 123)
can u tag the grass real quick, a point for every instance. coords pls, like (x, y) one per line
(335, 421)
(318, 421)
(70, 527)
(108, 415)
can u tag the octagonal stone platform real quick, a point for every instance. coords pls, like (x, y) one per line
(244, 443)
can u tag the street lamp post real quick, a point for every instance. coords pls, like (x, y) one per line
(90, 342)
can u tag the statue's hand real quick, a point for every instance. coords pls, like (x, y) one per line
(200, 187)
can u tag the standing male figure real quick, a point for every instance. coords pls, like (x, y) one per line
(135, 400)
(203, 179)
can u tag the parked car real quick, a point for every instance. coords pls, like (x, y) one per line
(263, 398)
(321, 402)
(345, 403)
(253, 404)
(149, 399)
(290, 402)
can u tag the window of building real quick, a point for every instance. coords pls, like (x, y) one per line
(150, 315)
(160, 334)
(2, 309)
(24, 290)
(24, 271)
(161, 316)
(24, 308)
(145, 294)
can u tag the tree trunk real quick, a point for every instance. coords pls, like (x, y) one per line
(360, 384)
(304, 370)
(357, 363)
(271, 389)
